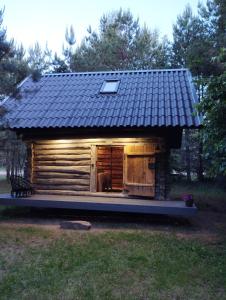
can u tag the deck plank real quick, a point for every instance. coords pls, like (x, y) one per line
(102, 204)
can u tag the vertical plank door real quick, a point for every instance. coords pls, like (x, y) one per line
(139, 174)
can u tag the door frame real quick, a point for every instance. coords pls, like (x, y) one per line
(157, 141)
(93, 167)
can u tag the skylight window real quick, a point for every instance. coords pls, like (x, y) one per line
(109, 86)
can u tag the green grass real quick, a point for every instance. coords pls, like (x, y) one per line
(4, 186)
(37, 263)
(109, 265)
(206, 195)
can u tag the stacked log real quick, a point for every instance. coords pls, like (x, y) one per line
(61, 166)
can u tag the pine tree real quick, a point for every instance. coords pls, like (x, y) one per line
(63, 64)
(213, 107)
(39, 60)
(198, 40)
(121, 43)
(193, 45)
(190, 42)
(13, 67)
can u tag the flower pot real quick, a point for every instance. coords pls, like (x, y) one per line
(188, 199)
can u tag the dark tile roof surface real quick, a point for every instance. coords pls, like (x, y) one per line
(144, 99)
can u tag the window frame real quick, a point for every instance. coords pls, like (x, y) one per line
(104, 84)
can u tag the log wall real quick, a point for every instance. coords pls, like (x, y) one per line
(68, 166)
(61, 165)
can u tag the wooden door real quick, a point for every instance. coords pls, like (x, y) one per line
(139, 174)
(109, 168)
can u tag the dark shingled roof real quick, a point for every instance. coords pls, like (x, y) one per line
(144, 99)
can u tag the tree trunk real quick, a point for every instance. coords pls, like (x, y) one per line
(14, 155)
(187, 154)
(200, 175)
(200, 170)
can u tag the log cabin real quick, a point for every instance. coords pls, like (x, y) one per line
(103, 133)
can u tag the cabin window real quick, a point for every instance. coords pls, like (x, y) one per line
(109, 86)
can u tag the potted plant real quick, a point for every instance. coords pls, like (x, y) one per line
(188, 199)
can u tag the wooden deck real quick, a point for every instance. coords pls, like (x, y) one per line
(113, 204)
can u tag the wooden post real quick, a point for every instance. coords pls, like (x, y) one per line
(93, 187)
(28, 170)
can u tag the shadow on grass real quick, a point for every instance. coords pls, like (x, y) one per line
(100, 219)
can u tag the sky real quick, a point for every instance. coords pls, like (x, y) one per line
(45, 21)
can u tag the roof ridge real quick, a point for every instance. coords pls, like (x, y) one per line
(115, 72)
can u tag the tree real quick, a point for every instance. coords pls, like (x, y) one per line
(213, 107)
(63, 64)
(13, 67)
(188, 40)
(213, 103)
(59, 64)
(198, 40)
(213, 16)
(194, 48)
(39, 60)
(121, 43)
(191, 39)
(70, 39)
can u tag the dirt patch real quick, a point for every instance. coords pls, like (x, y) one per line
(209, 227)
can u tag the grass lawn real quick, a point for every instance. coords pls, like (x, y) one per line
(207, 196)
(133, 261)
(4, 185)
(41, 264)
